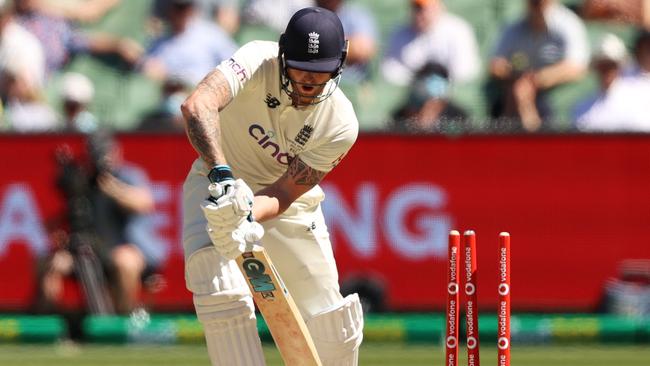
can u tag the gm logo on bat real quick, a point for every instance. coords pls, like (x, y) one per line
(259, 280)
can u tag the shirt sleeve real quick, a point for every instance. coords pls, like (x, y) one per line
(328, 153)
(327, 156)
(242, 67)
(577, 45)
(466, 61)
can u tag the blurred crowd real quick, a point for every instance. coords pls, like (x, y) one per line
(553, 65)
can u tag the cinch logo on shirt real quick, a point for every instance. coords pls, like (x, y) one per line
(263, 139)
(238, 69)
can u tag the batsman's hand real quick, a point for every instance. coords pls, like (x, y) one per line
(220, 189)
(232, 243)
(229, 209)
(221, 181)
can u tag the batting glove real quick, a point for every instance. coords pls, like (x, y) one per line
(229, 210)
(221, 179)
(232, 243)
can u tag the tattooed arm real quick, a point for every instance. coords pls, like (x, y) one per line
(201, 112)
(276, 198)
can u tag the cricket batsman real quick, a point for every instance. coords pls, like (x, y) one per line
(269, 120)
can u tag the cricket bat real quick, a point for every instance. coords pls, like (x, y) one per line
(280, 312)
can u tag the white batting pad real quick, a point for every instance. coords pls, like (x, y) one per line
(225, 308)
(338, 331)
(213, 279)
(231, 337)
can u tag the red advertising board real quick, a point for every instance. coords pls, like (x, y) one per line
(575, 207)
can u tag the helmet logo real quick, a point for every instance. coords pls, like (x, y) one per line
(312, 47)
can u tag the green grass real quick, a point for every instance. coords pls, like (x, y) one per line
(371, 354)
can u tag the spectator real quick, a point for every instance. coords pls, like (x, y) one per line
(623, 100)
(167, 117)
(22, 74)
(433, 35)
(607, 61)
(61, 42)
(192, 48)
(547, 48)
(636, 12)
(77, 92)
(361, 31)
(273, 13)
(428, 108)
(82, 11)
(120, 201)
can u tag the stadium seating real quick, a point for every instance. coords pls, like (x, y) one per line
(123, 96)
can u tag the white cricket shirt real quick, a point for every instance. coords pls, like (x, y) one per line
(262, 132)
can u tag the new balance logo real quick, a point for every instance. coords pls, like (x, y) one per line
(271, 101)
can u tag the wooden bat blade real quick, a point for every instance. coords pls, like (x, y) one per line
(278, 309)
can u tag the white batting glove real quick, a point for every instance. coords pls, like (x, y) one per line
(241, 198)
(229, 209)
(232, 243)
(218, 189)
(221, 179)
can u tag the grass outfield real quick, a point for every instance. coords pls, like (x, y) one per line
(371, 354)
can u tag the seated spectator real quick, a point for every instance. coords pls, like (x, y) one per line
(77, 92)
(61, 42)
(545, 49)
(635, 12)
(22, 74)
(274, 14)
(428, 108)
(167, 117)
(192, 48)
(119, 199)
(622, 103)
(433, 35)
(361, 31)
(82, 11)
(607, 61)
